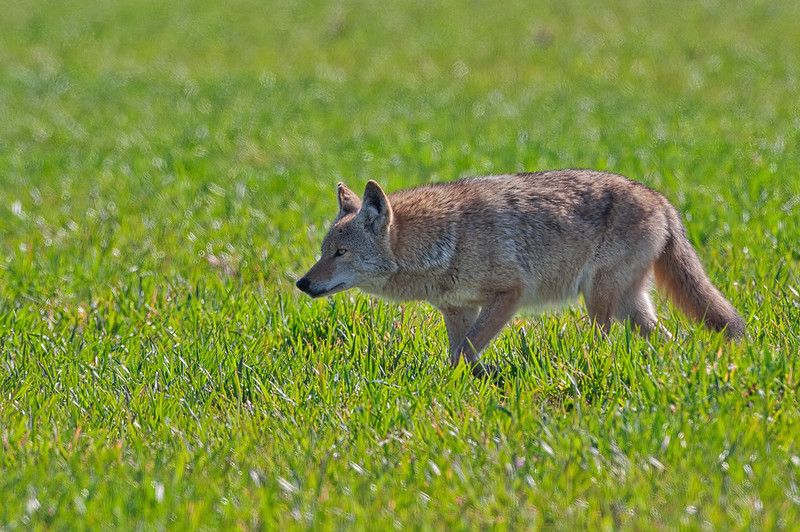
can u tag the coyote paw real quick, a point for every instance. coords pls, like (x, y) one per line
(494, 373)
(485, 371)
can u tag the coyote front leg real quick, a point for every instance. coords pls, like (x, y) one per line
(492, 318)
(457, 321)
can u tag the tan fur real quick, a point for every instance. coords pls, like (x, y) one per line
(479, 249)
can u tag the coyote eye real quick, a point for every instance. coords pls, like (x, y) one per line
(340, 252)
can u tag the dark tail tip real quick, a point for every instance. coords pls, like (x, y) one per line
(735, 326)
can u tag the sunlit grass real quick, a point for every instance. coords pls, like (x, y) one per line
(167, 170)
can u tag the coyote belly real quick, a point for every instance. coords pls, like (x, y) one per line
(479, 249)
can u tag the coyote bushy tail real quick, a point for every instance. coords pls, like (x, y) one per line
(680, 275)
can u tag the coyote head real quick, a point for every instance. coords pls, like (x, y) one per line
(356, 251)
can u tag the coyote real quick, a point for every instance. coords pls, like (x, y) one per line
(479, 249)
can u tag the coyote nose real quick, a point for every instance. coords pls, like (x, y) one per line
(303, 284)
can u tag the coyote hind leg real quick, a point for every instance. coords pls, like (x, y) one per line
(636, 305)
(602, 300)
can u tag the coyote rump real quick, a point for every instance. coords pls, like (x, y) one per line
(479, 249)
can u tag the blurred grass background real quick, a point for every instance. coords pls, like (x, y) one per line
(167, 170)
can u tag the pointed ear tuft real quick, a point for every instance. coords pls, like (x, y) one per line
(348, 201)
(375, 208)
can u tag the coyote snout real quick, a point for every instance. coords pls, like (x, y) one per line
(479, 249)
(315, 290)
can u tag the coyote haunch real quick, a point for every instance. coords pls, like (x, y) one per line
(479, 249)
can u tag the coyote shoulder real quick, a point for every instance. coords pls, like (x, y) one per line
(479, 249)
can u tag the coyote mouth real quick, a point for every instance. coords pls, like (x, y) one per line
(322, 293)
(338, 288)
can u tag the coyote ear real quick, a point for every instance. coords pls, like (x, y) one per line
(375, 208)
(348, 201)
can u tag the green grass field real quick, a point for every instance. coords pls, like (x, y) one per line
(168, 169)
